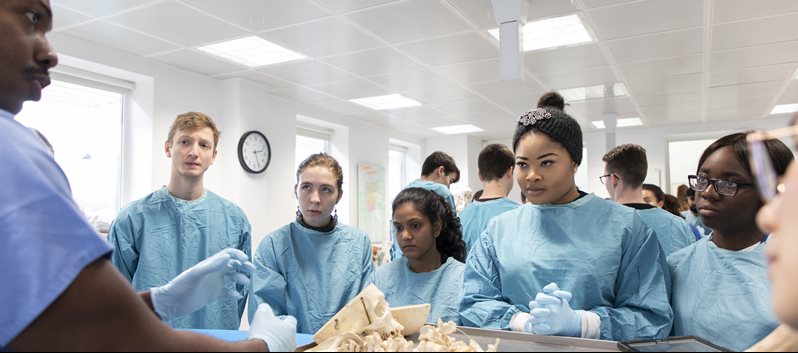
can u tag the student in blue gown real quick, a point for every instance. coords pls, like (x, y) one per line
(437, 172)
(720, 286)
(314, 266)
(609, 265)
(182, 223)
(625, 170)
(495, 163)
(432, 269)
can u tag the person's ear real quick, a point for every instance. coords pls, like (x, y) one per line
(167, 147)
(441, 171)
(661, 204)
(340, 195)
(436, 228)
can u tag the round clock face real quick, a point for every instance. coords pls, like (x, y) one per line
(254, 152)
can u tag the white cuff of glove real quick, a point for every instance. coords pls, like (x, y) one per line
(591, 325)
(518, 322)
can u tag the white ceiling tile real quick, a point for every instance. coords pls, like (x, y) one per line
(655, 46)
(667, 99)
(498, 121)
(198, 62)
(665, 67)
(755, 56)
(735, 10)
(595, 109)
(259, 15)
(177, 23)
(730, 115)
(326, 37)
(303, 95)
(480, 12)
(373, 62)
(751, 75)
(646, 17)
(410, 80)
(577, 57)
(472, 72)
(451, 50)
(672, 109)
(101, 8)
(308, 72)
(508, 88)
(750, 33)
(790, 97)
(440, 95)
(660, 85)
(517, 104)
(416, 114)
(469, 107)
(346, 108)
(583, 78)
(738, 92)
(351, 89)
(743, 106)
(793, 86)
(665, 119)
(601, 3)
(271, 82)
(64, 17)
(410, 21)
(342, 6)
(120, 38)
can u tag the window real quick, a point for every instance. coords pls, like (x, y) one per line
(310, 141)
(84, 125)
(397, 171)
(683, 159)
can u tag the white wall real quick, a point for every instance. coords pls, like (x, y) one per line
(237, 105)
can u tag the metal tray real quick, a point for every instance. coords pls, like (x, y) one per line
(523, 342)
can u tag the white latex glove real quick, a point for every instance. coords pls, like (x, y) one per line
(552, 315)
(208, 281)
(279, 333)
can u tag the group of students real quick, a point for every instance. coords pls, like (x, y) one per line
(564, 263)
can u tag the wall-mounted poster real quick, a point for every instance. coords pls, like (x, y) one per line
(371, 201)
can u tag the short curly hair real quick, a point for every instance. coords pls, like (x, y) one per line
(450, 242)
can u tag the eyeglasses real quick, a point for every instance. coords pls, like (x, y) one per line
(722, 186)
(603, 178)
(767, 180)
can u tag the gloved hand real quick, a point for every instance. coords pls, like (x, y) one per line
(210, 280)
(279, 333)
(552, 315)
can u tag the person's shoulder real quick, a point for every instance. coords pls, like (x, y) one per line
(683, 255)
(227, 205)
(352, 231)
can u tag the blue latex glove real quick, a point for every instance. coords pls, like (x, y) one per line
(279, 333)
(552, 315)
(208, 281)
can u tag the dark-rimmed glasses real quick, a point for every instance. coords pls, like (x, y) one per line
(722, 186)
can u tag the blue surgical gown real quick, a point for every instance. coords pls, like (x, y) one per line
(45, 241)
(442, 288)
(158, 237)
(438, 188)
(310, 274)
(673, 233)
(721, 295)
(599, 250)
(474, 218)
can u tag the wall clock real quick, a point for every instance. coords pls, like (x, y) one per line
(254, 152)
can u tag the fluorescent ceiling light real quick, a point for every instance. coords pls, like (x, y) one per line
(391, 101)
(784, 109)
(457, 129)
(553, 32)
(599, 124)
(593, 92)
(252, 51)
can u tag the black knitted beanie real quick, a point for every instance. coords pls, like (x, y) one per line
(556, 124)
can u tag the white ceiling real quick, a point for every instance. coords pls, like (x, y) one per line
(682, 61)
